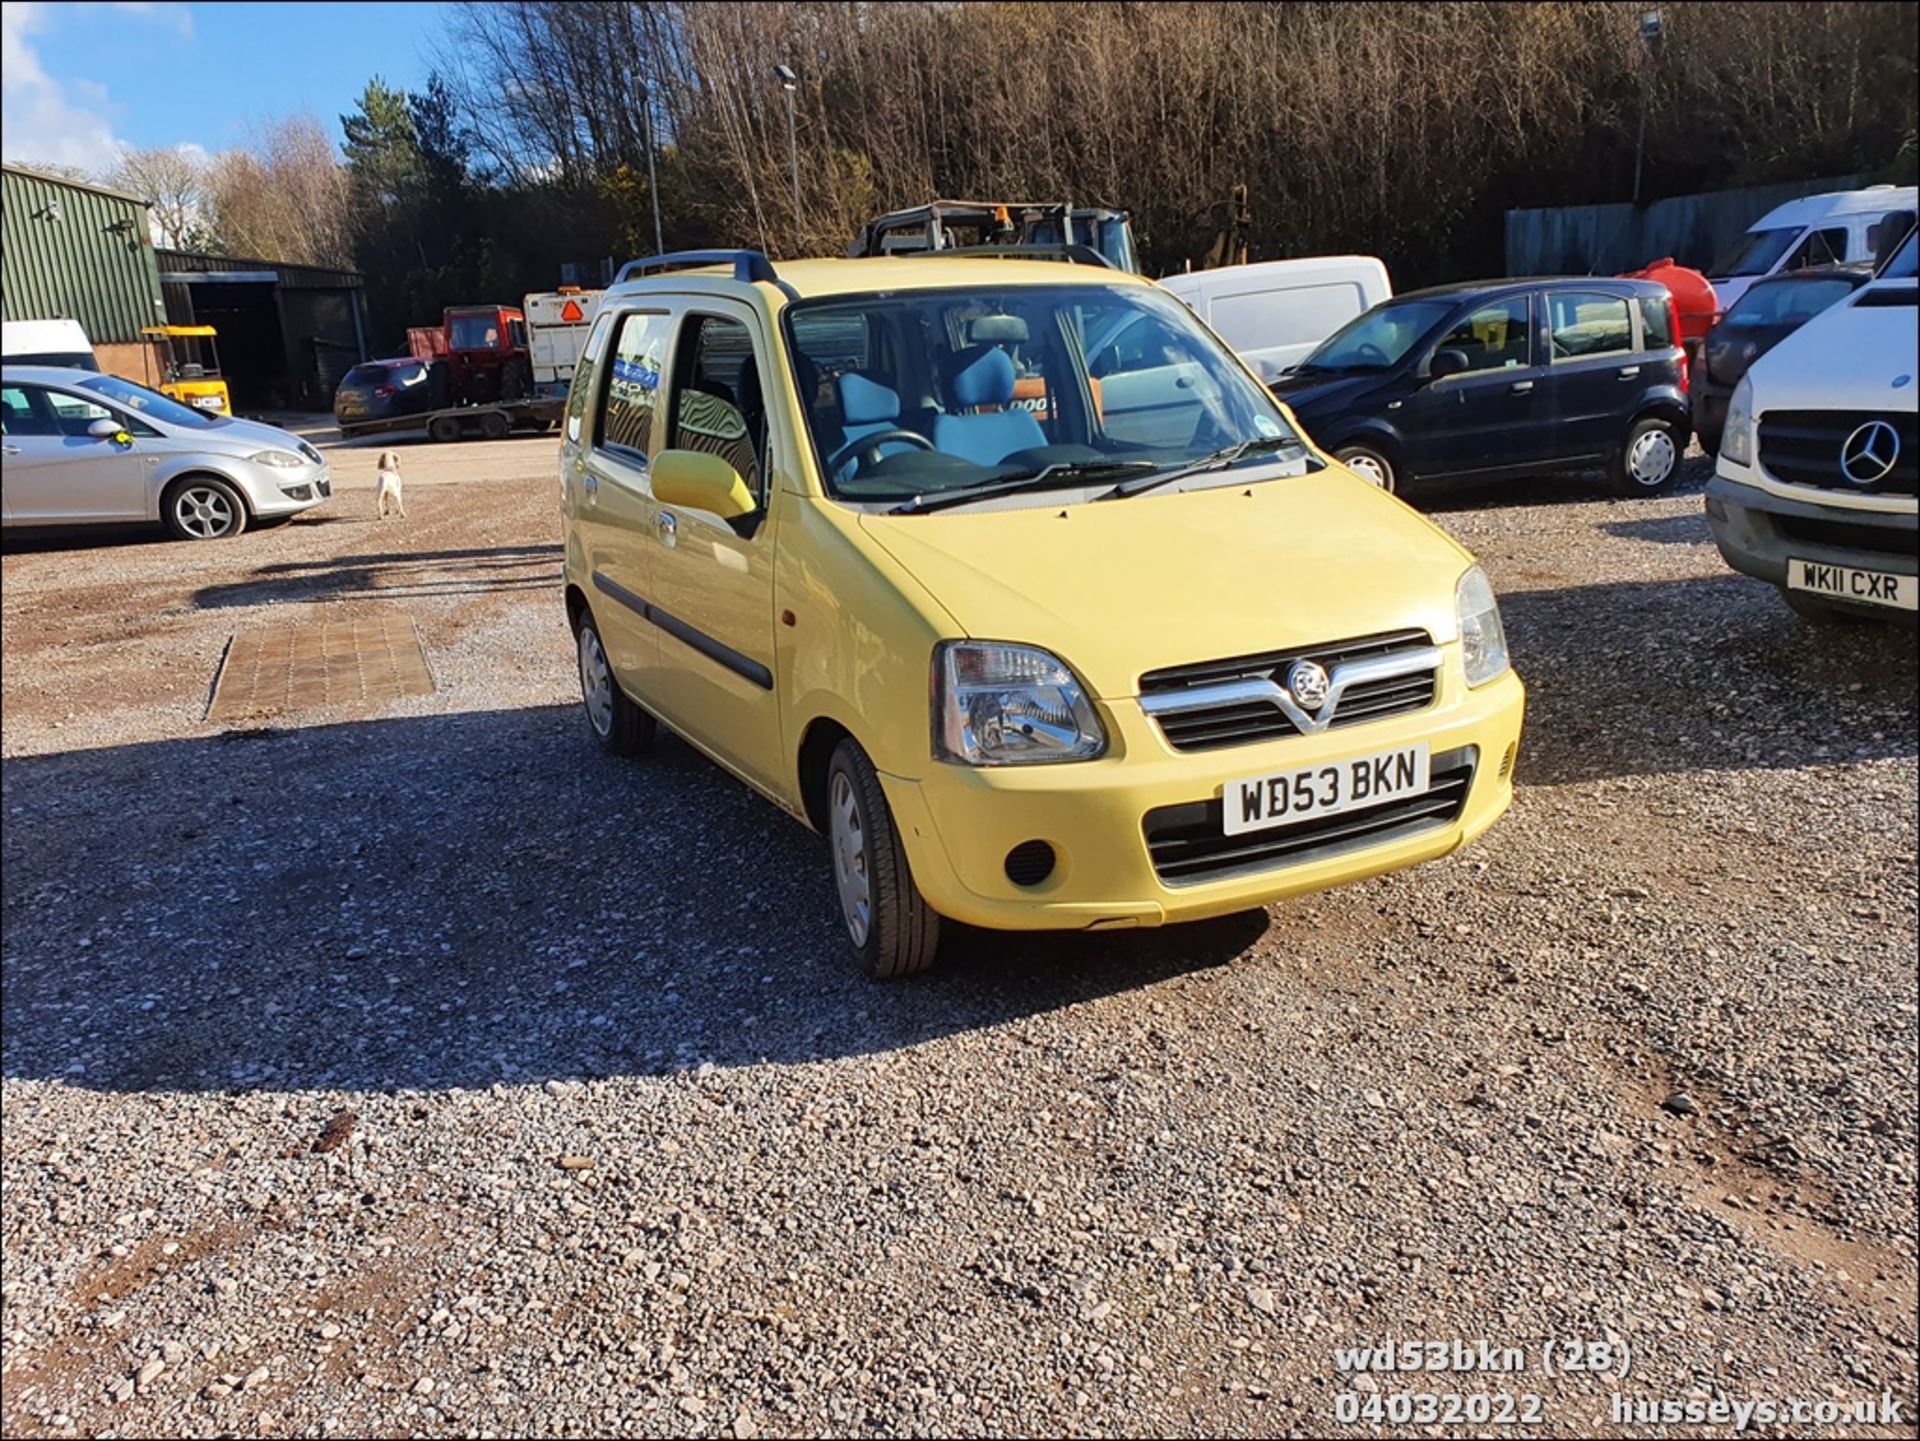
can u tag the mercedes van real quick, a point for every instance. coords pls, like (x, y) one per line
(1843, 227)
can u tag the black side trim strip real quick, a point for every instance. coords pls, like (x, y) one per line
(725, 655)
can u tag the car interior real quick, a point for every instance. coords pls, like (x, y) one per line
(940, 391)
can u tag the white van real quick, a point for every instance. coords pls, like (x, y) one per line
(1275, 312)
(1843, 227)
(557, 324)
(1814, 489)
(46, 342)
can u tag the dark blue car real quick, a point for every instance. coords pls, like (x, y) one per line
(1517, 377)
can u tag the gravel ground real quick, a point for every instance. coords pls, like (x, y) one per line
(414, 1075)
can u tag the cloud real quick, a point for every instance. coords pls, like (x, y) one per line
(48, 121)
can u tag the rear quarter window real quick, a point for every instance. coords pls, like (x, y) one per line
(1656, 322)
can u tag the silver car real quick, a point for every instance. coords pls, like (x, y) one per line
(82, 447)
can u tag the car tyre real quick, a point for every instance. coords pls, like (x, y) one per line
(620, 726)
(494, 425)
(203, 507)
(1649, 462)
(892, 929)
(444, 428)
(1371, 464)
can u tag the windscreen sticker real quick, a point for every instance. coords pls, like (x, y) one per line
(1266, 425)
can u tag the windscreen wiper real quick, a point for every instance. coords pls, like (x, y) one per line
(1219, 460)
(1041, 479)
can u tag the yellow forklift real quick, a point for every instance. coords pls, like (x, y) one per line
(192, 373)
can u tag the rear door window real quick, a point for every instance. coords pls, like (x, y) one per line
(26, 411)
(1583, 323)
(633, 385)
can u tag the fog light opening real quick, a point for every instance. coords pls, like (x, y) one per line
(1030, 863)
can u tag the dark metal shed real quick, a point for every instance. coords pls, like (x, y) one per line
(288, 332)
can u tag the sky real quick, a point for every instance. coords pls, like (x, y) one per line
(79, 82)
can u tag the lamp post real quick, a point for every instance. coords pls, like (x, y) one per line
(653, 183)
(1651, 28)
(789, 82)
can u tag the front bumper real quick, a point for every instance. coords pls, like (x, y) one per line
(960, 822)
(275, 492)
(1759, 531)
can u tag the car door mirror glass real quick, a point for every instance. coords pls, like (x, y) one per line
(694, 480)
(1448, 362)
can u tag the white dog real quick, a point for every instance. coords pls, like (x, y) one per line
(390, 488)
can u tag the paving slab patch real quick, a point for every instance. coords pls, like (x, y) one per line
(362, 663)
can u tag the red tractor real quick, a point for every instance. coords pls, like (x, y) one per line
(484, 349)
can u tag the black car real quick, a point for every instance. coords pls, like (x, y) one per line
(1770, 311)
(386, 389)
(1508, 376)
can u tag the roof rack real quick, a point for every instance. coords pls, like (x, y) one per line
(748, 266)
(1072, 254)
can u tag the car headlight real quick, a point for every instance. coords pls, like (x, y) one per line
(1736, 436)
(996, 705)
(281, 459)
(1483, 640)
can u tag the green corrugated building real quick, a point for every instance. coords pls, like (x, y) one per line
(73, 250)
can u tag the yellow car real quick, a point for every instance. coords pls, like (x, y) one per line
(1130, 650)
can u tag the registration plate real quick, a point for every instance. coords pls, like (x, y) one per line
(1350, 784)
(1844, 582)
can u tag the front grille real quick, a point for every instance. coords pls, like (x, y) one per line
(1802, 447)
(1246, 722)
(1846, 535)
(1188, 846)
(310, 453)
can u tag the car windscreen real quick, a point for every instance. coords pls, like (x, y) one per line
(910, 394)
(149, 402)
(473, 332)
(70, 359)
(1904, 263)
(1757, 252)
(1786, 302)
(1380, 338)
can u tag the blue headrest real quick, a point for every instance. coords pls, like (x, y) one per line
(863, 401)
(980, 375)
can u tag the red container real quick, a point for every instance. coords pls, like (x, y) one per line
(1693, 298)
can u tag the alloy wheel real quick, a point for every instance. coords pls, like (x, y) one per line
(203, 512)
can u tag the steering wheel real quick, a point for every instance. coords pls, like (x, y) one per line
(1367, 345)
(867, 447)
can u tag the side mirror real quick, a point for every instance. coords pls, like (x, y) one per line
(698, 481)
(1448, 362)
(104, 429)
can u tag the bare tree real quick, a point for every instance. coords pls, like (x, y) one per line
(174, 184)
(286, 197)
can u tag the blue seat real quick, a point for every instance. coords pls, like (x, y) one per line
(866, 408)
(983, 375)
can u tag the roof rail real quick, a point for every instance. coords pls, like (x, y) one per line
(748, 266)
(1073, 254)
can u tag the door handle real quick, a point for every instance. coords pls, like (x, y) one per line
(11, 449)
(1521, 387)
(668, 527)
(1627, 372)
